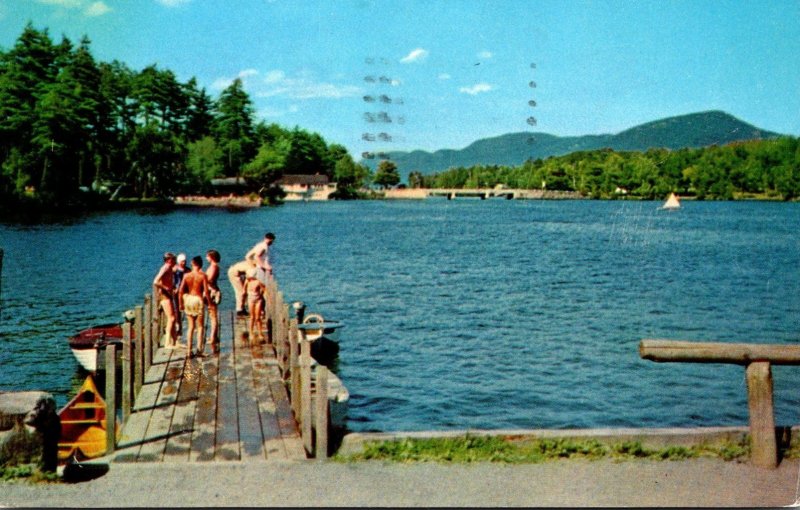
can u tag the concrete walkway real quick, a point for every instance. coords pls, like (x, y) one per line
(696, 482)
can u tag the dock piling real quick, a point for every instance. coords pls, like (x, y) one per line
(111, 398)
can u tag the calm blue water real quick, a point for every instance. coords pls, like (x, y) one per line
(464, 313)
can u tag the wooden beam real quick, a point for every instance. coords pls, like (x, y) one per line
(321, 411)
(126, 371)
(111, 398)
(764, 450)
(305, 391)
(718, 352)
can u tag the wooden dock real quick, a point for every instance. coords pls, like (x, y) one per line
(231, 405)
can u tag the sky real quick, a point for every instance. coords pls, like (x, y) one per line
(380, 75)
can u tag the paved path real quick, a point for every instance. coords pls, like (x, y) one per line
(696, 482)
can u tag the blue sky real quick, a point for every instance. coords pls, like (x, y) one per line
(449, 72)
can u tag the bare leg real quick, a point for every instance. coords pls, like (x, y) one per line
(191, 319)
(169, 327)
(213, 318)
(201, 333)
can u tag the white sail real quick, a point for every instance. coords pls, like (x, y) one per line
(672, 202)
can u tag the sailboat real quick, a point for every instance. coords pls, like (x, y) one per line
(672, 202)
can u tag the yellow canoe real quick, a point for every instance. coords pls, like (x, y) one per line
(83, 424)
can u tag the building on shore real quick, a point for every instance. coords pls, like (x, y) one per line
(306, 187)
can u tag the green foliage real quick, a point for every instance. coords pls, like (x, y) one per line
(386, 174)
(27, 472)
(466, 449)
(757, 168)
(69, 123)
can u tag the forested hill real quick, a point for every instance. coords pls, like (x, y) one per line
(685, 131)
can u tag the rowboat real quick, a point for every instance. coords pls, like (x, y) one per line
(323, 336)
(88, 346)
(83, 424)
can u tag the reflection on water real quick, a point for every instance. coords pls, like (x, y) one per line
(485, 314)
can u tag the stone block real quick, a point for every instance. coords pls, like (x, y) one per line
(29, 429)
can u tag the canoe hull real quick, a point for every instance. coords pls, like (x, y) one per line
(83, 424)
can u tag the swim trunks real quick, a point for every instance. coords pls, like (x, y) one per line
(192, 305)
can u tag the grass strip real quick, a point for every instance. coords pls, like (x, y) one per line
(515, 450)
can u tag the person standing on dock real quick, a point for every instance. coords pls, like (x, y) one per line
(259, 256)
(178, 271)
(193, 294)
(255, 303)
(164, 285)
(236, 276)
(214, 296)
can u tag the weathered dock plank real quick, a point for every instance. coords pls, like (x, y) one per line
(204, 433)
(250, 437)
(227, 438)
(283, 409)
(159, 427)
(180, 430)
(271, 432)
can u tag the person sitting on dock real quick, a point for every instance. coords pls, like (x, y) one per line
(164, 285)
(255, 302)
(193, 294)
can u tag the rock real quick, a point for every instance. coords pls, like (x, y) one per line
(29, 429)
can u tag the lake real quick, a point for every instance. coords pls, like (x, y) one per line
(459, 314)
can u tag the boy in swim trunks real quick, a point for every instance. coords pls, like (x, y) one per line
(254, 290)
(164, 288)
(193, 295)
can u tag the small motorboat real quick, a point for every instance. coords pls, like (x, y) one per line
(88, 346)
(316, 327)
(324, 337)
(83, 425)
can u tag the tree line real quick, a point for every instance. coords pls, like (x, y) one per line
(71, 126)
(758, 168)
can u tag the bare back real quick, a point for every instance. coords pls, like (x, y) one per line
(195, 283)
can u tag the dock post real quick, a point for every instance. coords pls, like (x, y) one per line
(321, 421)
(138, 368)
(762, 417)
(305, 391)
(294, 369)
(155, 325)
(147, 330)
(126, 371)
(111, 398)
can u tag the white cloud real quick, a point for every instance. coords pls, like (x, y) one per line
(444, 76)
(415, 56)
(246, 73)
(276, 83)
(275, 112)
(69, 4)
(173, 3)
(274, 76)
(476, 89)
(303, 86)
(485, 54)
(221, 83)
(97, 9)
(92, 9)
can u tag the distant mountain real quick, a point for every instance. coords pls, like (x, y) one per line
(693, 130)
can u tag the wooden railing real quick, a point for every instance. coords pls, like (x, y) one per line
(757, 359)
(282, 332)
(293, 351)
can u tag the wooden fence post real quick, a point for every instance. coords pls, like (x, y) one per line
(305, 391)
(111, 397)
(138, 368)
(294, 369)
(764, 451)
(147, 331)
(126, 370)
(321, 421)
